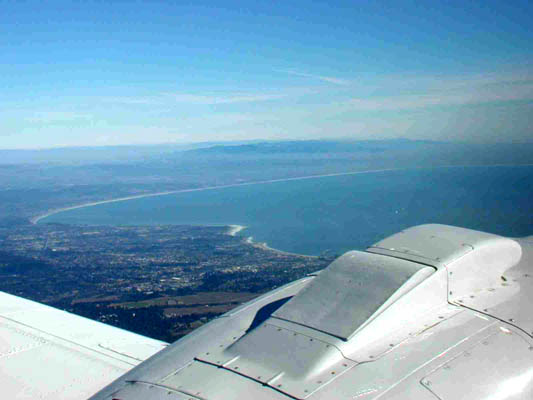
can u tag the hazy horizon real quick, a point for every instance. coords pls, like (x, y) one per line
(194, 144)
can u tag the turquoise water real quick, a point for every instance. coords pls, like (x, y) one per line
(342, 212)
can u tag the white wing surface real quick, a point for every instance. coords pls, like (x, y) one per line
(46, 353)
(431, 313)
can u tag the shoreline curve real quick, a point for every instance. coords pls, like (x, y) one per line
(234, 229)
(34, 220)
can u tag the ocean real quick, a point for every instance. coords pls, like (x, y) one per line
(339, 213)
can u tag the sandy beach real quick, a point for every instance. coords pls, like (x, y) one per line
(265, 246)
(37, 218)
(234, 229)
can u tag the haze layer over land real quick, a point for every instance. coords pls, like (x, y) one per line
(73, 177)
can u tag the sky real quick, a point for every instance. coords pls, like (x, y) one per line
(79, 73)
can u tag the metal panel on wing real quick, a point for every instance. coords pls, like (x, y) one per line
(498, 367)
(348, 293)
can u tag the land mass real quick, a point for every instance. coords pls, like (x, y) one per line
(163, 281)
(160, 281)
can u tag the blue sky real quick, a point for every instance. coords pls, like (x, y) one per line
(138, 72)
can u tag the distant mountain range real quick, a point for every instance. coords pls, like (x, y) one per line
(315, 146)
(98, 154)
(171, 152)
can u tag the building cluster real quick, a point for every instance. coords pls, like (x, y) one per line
(94, 270)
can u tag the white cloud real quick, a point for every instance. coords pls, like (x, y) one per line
(223, 99)
(329, 79)
(197, 99)
(450, 92)
(452, 82)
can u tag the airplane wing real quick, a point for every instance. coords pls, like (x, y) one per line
(432, 313)
(46, 353)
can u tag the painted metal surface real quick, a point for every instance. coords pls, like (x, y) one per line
(498, 367)
(432, 244)
(284, 359)
(397, 374)
(203, 381)
(144, 390)
(509, 297)
(46, 353)
(348, 293)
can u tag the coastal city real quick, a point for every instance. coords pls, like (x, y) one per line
(160, 281)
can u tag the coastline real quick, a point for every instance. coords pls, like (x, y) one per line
(37, 218)
(264, 246)
(234, 229)
(34, 220)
